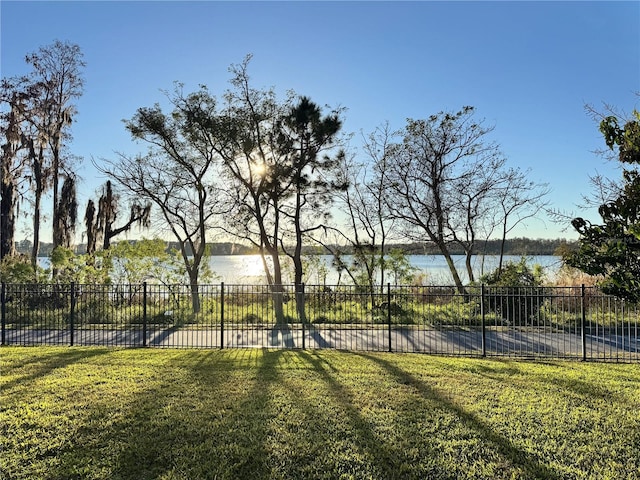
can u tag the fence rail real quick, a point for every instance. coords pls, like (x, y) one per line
(547, 322)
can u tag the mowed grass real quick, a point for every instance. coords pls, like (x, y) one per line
(95, 413)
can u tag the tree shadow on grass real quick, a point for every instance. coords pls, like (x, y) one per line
(379, 459)
(529, 465)
(196, 420)
(39, 364)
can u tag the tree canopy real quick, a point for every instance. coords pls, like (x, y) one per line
(611, 249)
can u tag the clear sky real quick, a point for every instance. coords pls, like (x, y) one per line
(528, 67)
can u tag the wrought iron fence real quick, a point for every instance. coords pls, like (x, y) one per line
(546, 322)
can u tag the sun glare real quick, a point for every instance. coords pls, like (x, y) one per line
(259, 169)
(252, 266)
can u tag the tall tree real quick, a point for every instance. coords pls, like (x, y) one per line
(438, 159)
(42, 109)
(56, 82)
(273, 156)
(178, 174)
(369, 224)
(255, 172)
(307, 140)
(611, 249)
(11, 144)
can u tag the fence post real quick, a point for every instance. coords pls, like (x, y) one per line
(221, 315)
(389, 314)
(72, 311)
(483, 321)
(304, 303)
(144, 314)
(583, 322)
(3, 309)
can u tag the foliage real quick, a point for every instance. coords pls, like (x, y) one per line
(513, 274)
(626, 139)
(108, 413)
(76, 268)
(178, 174)
(136, 262)
(18, 269)
(399, 266)
(611, 250)
(505, 292)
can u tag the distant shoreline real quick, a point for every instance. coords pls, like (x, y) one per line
(513, 247)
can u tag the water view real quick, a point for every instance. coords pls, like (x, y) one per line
(248, 268)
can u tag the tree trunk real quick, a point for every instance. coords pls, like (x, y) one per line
(8, 189)
(502, 244)
(452, 268)
(298, 285)
(7, 215)
(467, 261)
(277, 290)
(35, 249)
(195, 290)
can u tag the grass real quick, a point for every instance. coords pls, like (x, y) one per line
(96, 413)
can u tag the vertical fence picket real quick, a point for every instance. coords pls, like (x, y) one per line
(221, 315)
(483, 324)
(303, 319)
(144, 314)
(72, 309)
(3, 313)
(389, 314)
(583, 322)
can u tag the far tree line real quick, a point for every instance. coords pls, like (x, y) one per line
(273, 173)
(518, 246)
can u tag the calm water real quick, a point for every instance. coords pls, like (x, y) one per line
(248, 268)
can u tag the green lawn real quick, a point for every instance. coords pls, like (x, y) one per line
(96, 413)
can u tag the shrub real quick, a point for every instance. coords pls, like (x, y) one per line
(506, 288)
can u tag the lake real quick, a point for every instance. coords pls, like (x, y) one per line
(248, 269)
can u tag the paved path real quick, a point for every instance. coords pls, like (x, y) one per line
(521, 343)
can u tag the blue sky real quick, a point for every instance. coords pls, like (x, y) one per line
(528, 67)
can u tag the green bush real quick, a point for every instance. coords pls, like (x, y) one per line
(515, 292)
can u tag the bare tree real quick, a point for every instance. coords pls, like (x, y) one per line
(518, 199)
(437, 159)
(178, 173)
(369, 221)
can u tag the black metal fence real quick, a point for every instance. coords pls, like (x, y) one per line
(545, 322)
